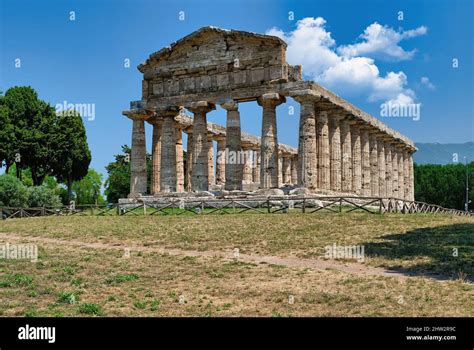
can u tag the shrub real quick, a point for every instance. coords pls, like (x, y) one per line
(39, 196)
(12, 192)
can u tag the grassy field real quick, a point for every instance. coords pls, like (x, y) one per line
(174, 267)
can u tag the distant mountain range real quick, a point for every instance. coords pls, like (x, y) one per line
(439, 153)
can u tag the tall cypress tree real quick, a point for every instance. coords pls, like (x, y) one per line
(71, 154)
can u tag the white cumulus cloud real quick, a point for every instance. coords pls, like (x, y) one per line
(382, 42)
(345, 69)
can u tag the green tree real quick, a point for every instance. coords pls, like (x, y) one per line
(117, 184)
(71, 154)
(32, 121)
(87, 190)
(39, 196)
(444, 185)
(12, 192)
(7, 136)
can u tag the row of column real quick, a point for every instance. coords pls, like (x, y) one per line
(334, 153)
(343, 155)
(235, 164)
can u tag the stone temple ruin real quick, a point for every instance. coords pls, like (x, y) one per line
(341, 150)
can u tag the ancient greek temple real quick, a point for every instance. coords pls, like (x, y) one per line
(341, 149)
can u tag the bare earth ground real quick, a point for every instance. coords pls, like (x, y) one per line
(186, 266)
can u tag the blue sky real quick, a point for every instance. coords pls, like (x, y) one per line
(82, 61)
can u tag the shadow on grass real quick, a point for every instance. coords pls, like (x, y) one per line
(435, 247)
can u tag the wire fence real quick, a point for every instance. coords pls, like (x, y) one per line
(268, 205)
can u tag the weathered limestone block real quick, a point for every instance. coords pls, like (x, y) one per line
(200, 172)
(322, 135)
(346, 150)
(307, 155)
(356, 159)
(179, 160)
(156, 154)
(269, 140)
(335, 150)
(381, 166)
(220, 161)
(138, 175)
(168, 177)
(233, 168)
(388, 170)
(374, 170)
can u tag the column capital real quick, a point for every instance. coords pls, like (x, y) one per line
(305, 95)
(230, 105)
(136, 115)
(155, 120)
(271, 99)
(201, 106)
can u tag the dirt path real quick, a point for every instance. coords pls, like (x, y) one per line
(292, 262)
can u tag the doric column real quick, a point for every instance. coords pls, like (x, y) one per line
(138, 176)
(394, 152)
(406, 174)
(335, 152)
(210, 161)
(168, 174)
(189, 161)
(256, 166)
(220, 161)
(411, 177)
(280, 169)
(156, 154)
(346, 150)
(233, 167)
(200, 172)
(322, 136)
(381, 167)
(286, 169)
(388, 170)
(356, 159)
(307, 145)
(294, 169)
(179, 160)
(365, 160)
(248, 163)
(269, 140)
(401, 176)
(374, 170)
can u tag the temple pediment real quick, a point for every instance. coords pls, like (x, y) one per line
(211, 59)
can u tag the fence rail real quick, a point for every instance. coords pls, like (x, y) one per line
(268, 205)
